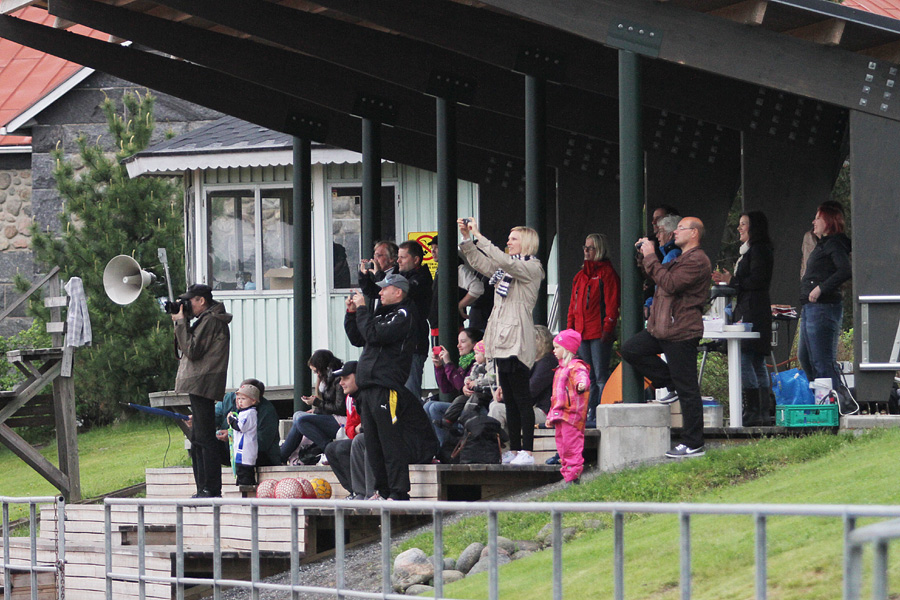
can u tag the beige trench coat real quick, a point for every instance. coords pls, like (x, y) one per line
(510, 328)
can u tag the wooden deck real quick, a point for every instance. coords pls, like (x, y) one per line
(428, 482)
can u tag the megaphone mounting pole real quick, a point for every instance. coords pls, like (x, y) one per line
(164, 259)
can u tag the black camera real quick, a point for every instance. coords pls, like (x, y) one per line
(172, 307)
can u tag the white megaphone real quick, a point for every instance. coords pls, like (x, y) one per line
(123, 279)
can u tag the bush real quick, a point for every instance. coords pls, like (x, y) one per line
(35, 336)
(106, 213)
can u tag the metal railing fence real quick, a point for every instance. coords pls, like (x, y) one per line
(879, 535)
(32, 566)
(759, 512)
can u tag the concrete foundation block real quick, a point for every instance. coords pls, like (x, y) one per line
(632, 434)
(869, 421)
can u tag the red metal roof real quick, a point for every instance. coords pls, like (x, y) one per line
(27, 75)
(887, 8)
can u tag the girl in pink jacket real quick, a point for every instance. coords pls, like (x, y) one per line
(569, 404)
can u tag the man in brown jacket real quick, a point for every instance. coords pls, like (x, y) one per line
(204, 348)
(674, 328)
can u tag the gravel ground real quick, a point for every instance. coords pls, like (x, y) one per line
(362, 571)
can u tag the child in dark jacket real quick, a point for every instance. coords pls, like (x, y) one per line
(569, 404)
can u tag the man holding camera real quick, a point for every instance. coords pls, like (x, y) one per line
(204, 347)
(382, 264)
(674, 328)
(398, 432)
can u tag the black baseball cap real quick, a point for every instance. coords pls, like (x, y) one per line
(197, 289)
(349, 368)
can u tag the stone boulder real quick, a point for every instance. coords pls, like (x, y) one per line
(528, 546)
(500, 551)
(418, 589)
(451, 575)
(567, 534)
(506, 544)
(411, 567)
(469, 557)
(482, 565)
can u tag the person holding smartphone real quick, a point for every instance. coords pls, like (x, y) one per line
(326, 413)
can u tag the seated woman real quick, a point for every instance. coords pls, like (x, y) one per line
(327, 411)
(450, 377)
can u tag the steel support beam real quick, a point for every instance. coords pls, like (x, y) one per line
(370, 217)
(448, 314)
(296, 75)
(536, 179)
(302, 249)
(425, 68)
(631, 204)
(721, 47)
(874, 164)
(256, 104)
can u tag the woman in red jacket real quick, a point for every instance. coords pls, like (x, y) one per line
(593, 312)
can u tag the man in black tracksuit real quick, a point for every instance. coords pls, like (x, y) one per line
(397, 429)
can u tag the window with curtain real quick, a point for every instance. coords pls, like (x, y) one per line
(250, 239)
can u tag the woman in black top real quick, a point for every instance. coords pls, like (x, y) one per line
(327, 408)
(751, 279)
(827, 268)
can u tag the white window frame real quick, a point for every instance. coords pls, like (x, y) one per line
(202, 224)
(329, 216)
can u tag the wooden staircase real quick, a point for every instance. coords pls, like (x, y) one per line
(26, 406)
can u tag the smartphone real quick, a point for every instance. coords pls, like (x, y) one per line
(437, 350)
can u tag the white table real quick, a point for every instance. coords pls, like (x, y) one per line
(733, 350)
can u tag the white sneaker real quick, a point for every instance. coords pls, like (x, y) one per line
(508, 457)
(523, 459)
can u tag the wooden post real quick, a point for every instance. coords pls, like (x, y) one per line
(64, 405)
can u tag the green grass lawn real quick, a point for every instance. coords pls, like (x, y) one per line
(110, 458)
(805, 554)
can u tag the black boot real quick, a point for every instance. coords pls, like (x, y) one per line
(751, 407)
(767, 406)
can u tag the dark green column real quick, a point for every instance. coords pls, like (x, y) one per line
(370, 217)
(631, 203)
(448, 317)
(536, 178)
(302, 255)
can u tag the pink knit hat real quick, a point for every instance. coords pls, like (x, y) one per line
(568, 339)
(479, 347)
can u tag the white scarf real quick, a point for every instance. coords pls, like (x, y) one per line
(745, 247)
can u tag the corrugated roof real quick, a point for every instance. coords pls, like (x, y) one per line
(27, 75)
(887, 8)
(225, 143)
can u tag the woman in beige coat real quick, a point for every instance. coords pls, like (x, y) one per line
(509, 336)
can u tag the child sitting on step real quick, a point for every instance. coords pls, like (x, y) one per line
(569, 404)
(246, 445)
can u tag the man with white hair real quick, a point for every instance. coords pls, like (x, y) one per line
(668, 249)
(674, 328)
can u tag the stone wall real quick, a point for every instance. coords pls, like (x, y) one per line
(15, 243)
(15, 209)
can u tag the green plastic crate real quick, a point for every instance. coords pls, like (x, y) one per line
(807, 415)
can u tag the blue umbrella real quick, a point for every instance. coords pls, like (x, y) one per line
(161, 412)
